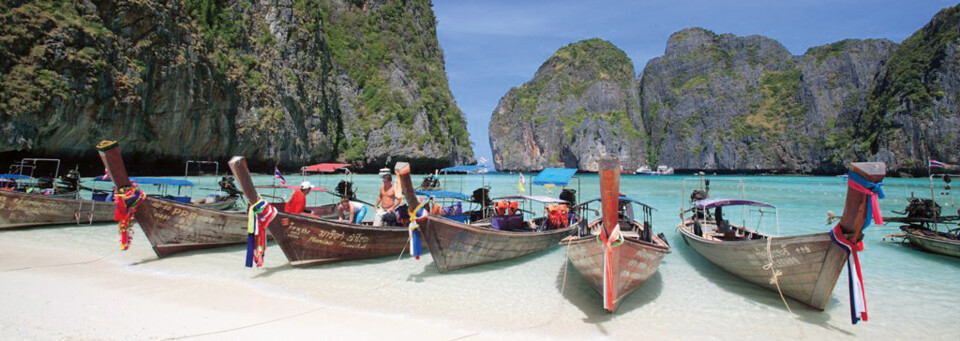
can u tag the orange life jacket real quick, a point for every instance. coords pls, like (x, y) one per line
(558, 215)
(506, 207)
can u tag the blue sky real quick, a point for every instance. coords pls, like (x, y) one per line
(493, 45)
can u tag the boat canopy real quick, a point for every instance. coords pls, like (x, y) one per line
(622, 199)
(721, 202)
(554, 176)
(475, 169)
(325, 167)
(444, 194)
(154, 181)
(537, 198)
(13, 176)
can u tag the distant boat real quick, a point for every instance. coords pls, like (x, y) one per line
(661, 170)
(803, 267)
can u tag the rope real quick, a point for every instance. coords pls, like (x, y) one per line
(61, 265)
(775, 273)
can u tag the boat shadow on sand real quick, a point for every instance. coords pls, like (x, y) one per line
(576, 290)
(756, 293)
(430, 270)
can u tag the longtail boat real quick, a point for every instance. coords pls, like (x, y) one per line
(802, 267)
(456, 245)
(310, 240)
(170, 226)
(944, 243)
(617, 254)
(927, 228)
(57, 206)
(215, 203)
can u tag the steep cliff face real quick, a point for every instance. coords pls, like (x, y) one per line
(725, 102)
(913, 112)
(581, 104)
(286, 81)
(714, 102)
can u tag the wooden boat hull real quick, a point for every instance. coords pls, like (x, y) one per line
(810, 264)
(456, 245)
(635, 261)
(930, 243)
(308, 241)
(174, 227)
(26, 210)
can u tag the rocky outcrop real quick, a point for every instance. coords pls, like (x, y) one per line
(723, 102)
(913, 112)
(280, 81)
(581, 104)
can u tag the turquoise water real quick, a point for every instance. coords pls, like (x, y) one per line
(909, 293)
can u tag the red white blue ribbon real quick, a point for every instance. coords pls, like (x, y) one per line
(874, 192)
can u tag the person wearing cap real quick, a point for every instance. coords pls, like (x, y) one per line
(387, 201)
(298, 200)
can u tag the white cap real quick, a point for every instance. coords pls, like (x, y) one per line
(384, 172)
(306, 185)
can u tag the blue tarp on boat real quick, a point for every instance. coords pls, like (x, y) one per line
(465, 169)
(554, 176)
(443, 194)
(13, 176)
(155, 181)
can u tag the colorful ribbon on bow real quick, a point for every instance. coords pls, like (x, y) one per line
(127, 200)
(610, 242)
(259, 216)
(874, 192)
(417, 215)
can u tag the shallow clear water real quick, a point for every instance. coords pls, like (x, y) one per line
(909, 292)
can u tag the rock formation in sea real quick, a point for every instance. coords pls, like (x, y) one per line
(730, 103)
(286, 81)
(581, 104)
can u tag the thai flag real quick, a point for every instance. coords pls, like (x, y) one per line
(106, 175)
(277, 175)
(937, 164)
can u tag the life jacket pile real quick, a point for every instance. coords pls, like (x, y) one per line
(558, 215)
(506, 207)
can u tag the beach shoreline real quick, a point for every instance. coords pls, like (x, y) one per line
(52, 293)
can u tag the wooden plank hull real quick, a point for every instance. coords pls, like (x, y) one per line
(809, 264)
(455, 245)
(635, 261)
(309, 241)
(930, 243)
(174, 227)
(26, 210)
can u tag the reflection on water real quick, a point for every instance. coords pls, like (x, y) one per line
(909, 292)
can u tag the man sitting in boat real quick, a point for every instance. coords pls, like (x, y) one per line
(227, 185)
(387, 201)
(298, 200)
(350, 211)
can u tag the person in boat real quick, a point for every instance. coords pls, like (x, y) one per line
(298, 200)
(350, 211)
(227, 185)
(387, 201)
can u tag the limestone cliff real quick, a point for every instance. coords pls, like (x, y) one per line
(581, 104)
(280, 81)
(723, 102)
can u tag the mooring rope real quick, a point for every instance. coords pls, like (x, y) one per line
(60, 265)
(775, 273)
